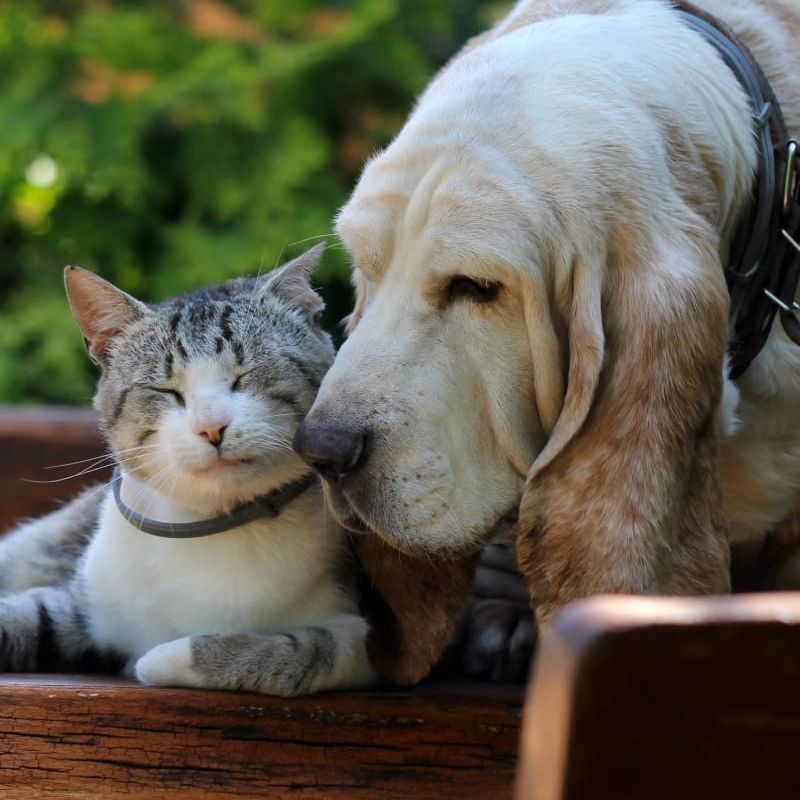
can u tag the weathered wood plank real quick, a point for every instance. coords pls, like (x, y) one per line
(79, 737)
(661, 698)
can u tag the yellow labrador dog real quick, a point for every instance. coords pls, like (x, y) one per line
(542, 310)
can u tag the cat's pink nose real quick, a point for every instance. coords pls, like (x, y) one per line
(212, 431)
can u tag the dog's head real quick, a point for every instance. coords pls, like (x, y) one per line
(451, 378)
(540, 320)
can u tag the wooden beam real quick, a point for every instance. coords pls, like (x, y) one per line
(661, 698)
(91, 737)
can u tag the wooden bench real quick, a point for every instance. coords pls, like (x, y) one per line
(634, 698)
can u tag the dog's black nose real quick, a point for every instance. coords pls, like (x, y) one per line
(332, 450)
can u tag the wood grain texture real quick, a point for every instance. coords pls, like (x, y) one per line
(658, 699)
(70, 738)
(32, 441)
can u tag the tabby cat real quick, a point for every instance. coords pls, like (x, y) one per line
(199, 398)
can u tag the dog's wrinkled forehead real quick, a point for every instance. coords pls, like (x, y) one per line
(449, 221)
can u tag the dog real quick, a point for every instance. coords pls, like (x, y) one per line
(540, 336)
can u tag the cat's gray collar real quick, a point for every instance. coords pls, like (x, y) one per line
(267, 505)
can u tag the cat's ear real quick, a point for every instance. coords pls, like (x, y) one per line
(291, 281)
(101, 310)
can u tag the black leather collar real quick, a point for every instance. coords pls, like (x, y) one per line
(763, 269)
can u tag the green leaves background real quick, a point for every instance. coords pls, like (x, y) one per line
(171, 143)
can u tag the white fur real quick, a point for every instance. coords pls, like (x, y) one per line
(267, 576)
(352, 668)
(169, 664)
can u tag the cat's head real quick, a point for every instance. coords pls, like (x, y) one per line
(200, 396)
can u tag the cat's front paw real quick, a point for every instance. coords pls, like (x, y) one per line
(169, 664)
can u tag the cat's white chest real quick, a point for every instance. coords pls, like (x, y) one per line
(143, 590)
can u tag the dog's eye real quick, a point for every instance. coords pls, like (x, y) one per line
(480, 291)
(173, 392)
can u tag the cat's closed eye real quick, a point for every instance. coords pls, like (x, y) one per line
(172, 392)
(237, 383)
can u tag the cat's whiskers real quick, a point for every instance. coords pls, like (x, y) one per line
(66, 477)
(158, 484)
(312, 238)
(142, 459)
(250, 308)
(145, 491)
(270, 431)
(250, 311)
(138, 463)
(271, 444)
(82, 473)
(100, 487)
(273, 440)
(171, 489)
(104, 457)
(94, 465)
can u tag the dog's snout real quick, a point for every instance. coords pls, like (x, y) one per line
(332, 450)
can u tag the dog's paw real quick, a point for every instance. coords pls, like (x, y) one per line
(169, 664)
(496, 634)
(500, 641)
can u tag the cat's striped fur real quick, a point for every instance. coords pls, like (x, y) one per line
(199, 398)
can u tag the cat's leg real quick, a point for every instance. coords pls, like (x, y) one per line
(327, 656)
(45, 629)
(46, 550)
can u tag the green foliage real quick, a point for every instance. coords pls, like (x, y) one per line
(167, 145)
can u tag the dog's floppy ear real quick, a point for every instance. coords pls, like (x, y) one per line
(624, 497)
(412, 605)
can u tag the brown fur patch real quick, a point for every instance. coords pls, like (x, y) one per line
(412, 605)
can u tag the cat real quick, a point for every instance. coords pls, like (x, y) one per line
(199, 398)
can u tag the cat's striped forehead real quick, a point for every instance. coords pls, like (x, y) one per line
(204, 327)
(243, 324)
(226, 320)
